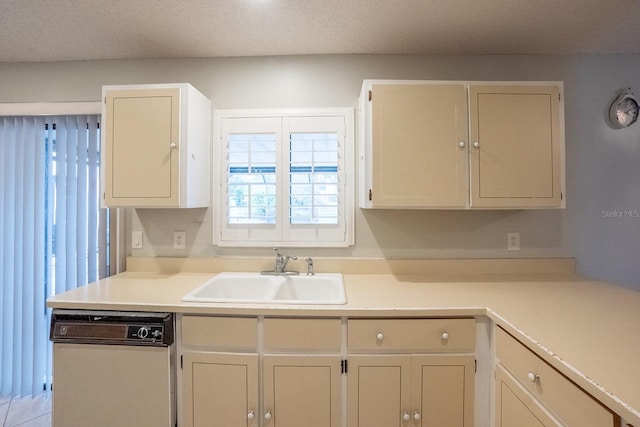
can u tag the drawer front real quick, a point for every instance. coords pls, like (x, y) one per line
(237, 333)
(561, 396)
(406, 335)
(317, 335)
(516, 407)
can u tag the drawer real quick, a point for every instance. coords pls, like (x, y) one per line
(406, 335)
(561, 396)
(234, 333)
(318, 335)
(516, 407)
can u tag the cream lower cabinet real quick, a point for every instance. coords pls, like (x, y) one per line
(292, 378)
(301, 391)
(220, 389)
(516, 407)
(397, 383)
(410, 390)
(530, 392)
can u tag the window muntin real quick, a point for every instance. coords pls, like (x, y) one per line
(303, 198)
(251, 174)
(314, 178)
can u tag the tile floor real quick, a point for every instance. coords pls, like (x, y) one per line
(26, 412)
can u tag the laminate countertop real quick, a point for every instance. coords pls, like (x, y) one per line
(588, 330)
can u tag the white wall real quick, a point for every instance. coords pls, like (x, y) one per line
(603, 165)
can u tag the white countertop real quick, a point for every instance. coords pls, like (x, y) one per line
(588, 330)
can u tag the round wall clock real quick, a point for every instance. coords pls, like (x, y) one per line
(624, 110)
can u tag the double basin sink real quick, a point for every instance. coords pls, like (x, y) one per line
(256, 288)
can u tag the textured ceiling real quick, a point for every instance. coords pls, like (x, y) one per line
(62, 30)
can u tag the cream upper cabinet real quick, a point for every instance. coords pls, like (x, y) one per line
(155, 146)
(461, 145)
(517, 146)
(417, 137)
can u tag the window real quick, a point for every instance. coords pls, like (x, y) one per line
(284, 178)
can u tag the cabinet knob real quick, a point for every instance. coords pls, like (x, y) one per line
(251, 415)
(268, 415)
(462, 144)
(534, 378)
(445, 336)
(476, 144)
(380, 336)
(416, 416)
(173, 146)
(406, 416)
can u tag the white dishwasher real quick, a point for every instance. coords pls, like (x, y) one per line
(113, 368)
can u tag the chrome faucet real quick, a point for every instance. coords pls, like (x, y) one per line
(281, 265)
(310, 267)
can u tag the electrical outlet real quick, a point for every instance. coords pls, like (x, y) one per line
(136, 239)
(179, 240)
(513, 241)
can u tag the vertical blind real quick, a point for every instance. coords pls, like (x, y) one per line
(52, 235)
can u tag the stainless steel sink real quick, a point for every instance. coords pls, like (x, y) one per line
(254, 288)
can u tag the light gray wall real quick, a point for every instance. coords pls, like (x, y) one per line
(603, 165)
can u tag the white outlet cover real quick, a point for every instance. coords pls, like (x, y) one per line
(179, 240)
(136, 240)
(513, 241)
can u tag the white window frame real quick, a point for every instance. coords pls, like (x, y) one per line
(283, 234)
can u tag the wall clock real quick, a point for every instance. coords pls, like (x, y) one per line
(624, 110)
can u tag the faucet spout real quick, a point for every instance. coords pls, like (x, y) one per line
(281, 265)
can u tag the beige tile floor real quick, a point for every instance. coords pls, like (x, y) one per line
(26, 412)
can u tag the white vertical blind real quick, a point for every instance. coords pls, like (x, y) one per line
(49, 234)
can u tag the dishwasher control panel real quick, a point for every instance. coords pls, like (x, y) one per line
(107, 327)
(144, 333)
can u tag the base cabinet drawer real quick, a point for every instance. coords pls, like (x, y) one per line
(301, 335)
(235, 333)
(420, 335)
(515, 407)
(559, 395)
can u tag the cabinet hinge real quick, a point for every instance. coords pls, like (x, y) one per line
(181, 362)
(344, 365)
(561, 196)
(370, 95)
(476, 366)
(370, 195)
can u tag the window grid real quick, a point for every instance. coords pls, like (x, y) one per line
(313, 178)
(251, 179)
(306, 179)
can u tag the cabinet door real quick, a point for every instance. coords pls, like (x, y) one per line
(419, 134)
(220, 390)
(378, 390)
(516, 146)
(515, 407)
(302, 391)
(142, 164)
(443, 390)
